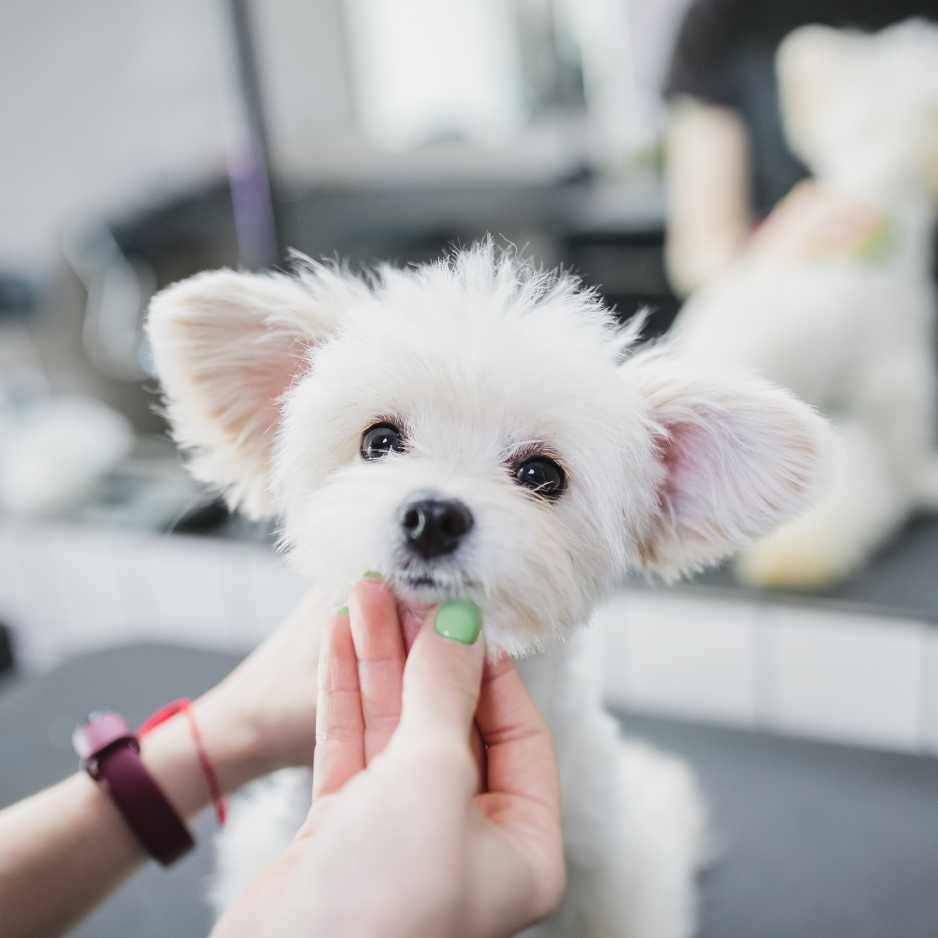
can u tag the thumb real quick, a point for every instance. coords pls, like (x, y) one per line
(443, 673)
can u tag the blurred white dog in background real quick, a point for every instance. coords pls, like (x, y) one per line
(834, 296)
(476, 428)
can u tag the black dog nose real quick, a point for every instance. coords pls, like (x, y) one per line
(435, 526)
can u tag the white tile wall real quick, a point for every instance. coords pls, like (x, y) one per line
(843, 676)
(29, 592)
(275, 589)
(87, 602)
(930, 682)
(680, 656)
(835, 675)
(187, 587)
(857, 679)
(67, 589)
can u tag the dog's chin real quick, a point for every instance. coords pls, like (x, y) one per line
(417, 592)
(423, 591)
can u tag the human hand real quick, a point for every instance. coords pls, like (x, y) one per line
(401, 839)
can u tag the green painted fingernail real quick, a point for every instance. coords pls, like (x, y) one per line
(372, 575)
(458, 619)
(343, 611)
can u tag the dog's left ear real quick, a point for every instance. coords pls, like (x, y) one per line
(227, 346)
(735, 457)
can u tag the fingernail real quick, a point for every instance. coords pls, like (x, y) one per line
(372, 575)
(343, 611)
(458, 619)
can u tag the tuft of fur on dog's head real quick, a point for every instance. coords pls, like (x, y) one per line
(480, 367)
(864, 107)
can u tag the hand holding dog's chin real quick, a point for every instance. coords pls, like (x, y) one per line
(402, 840)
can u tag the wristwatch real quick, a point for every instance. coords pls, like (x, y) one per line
(110, 754)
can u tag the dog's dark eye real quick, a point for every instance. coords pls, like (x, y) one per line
(379, 440)
(542, 476)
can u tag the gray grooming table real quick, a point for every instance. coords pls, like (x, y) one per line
(898, 582)
(814, 840)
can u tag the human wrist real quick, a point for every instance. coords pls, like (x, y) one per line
(171, 753)
(387, 919)
(233, 742)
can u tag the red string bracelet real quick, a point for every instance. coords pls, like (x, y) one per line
(184, 705)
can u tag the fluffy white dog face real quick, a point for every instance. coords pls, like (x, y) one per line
(469, 429)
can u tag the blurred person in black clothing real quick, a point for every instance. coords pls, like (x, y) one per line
(728, 161)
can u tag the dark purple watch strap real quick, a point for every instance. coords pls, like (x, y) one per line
(117, 767)
(145, 808)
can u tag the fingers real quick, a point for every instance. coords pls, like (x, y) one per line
(411, 625)
(522, 795)
(379, 649)
(520, 757)
(340, 728)
(443, 673)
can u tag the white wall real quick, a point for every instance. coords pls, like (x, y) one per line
(302, 48)
(108, 103)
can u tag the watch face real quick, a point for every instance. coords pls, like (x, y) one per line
(99, 732)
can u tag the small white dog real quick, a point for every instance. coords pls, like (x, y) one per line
(834, 296)
(476, 428)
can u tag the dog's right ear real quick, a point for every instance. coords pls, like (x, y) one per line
(227, 346)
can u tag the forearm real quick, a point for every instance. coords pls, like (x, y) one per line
(66, 848)
(708, 191)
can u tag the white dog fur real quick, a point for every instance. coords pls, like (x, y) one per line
(270, 382)
(834, 296)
